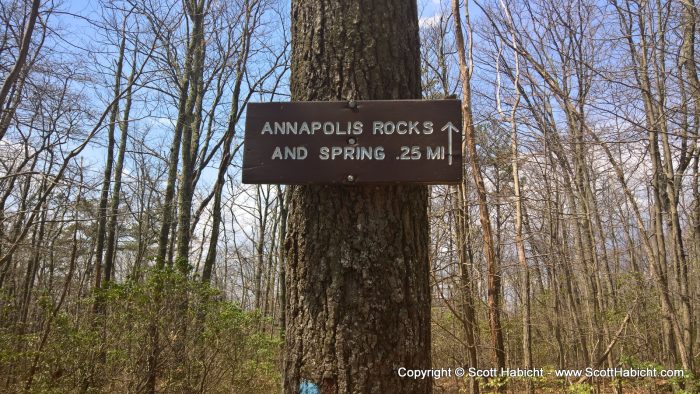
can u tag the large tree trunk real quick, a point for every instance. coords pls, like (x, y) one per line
(357, 257)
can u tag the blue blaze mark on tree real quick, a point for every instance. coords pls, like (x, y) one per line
(306, 387)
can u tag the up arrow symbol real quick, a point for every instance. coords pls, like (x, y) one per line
(450, 128)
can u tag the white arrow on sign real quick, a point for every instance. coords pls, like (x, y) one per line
(450, 128)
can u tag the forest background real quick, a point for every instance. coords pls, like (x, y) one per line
(132, 258)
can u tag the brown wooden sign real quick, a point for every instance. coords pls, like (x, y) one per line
(382, 141)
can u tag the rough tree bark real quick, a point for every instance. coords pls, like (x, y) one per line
(357, 256)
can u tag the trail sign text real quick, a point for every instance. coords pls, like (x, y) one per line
(381, 141)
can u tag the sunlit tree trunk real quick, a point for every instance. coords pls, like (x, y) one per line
(494, 275)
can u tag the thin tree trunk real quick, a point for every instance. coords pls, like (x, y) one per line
(167, 226)
(104, 195)
(18, 67)
(66, 286)
(494, 275)
(190, 135)
(262, 208)
(519, 243)
(285, 198)
(110, 253)
(466, 264)
(228, 152)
